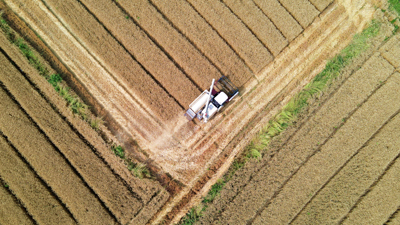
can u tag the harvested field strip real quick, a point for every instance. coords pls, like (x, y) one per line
(123, 203)
(9, 204)
(50, 165)
(321, 167)
(321, 4)
(109, 93)
(205, 38)
(259, 24)
(341, 193)
(163, 33)
(140, 45)
(40, 202)
(302, 10)
(231, 29)
(91, 34)
(280, 17)
(380, 203)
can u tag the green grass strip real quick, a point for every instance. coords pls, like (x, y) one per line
(395, 5)
(259, 146)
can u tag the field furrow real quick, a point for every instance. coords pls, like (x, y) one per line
(280, 17)
(47, 162)
(247, 46)
(321, 4)
(302, 10)
(202, 35)
(395, 218)
(118, 61)
(344, 144)
(123, 203)
(259, 24)
(129, 112)
(336, 199)
(381, 202)
(304, 143)
(9, 204)
(34, 195)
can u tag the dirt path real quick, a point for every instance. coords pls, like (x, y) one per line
(336, 166)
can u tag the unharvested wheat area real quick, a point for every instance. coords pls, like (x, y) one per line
(138, 65)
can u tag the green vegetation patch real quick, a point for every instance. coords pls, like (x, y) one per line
(395, 5)
(259, 146)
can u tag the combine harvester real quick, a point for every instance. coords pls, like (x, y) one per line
(210, 102)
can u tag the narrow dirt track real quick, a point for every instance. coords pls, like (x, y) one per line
(336, 166)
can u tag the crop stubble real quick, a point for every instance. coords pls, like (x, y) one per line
(9, 204)
(281, 18)
(259, 24)
(282, 165)
(247, 46)
(110, 189)
(302, 10)
(342, 192)
(196, 29)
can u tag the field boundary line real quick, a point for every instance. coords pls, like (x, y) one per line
(102, 65)
(316, 6)
(252, 32)
(44, 183)
(226, 42)
(72, 127)
(56, 148)
(134, 57)
(378, 179)
(15, 198)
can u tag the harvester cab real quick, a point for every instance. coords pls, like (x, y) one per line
(209, 102)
